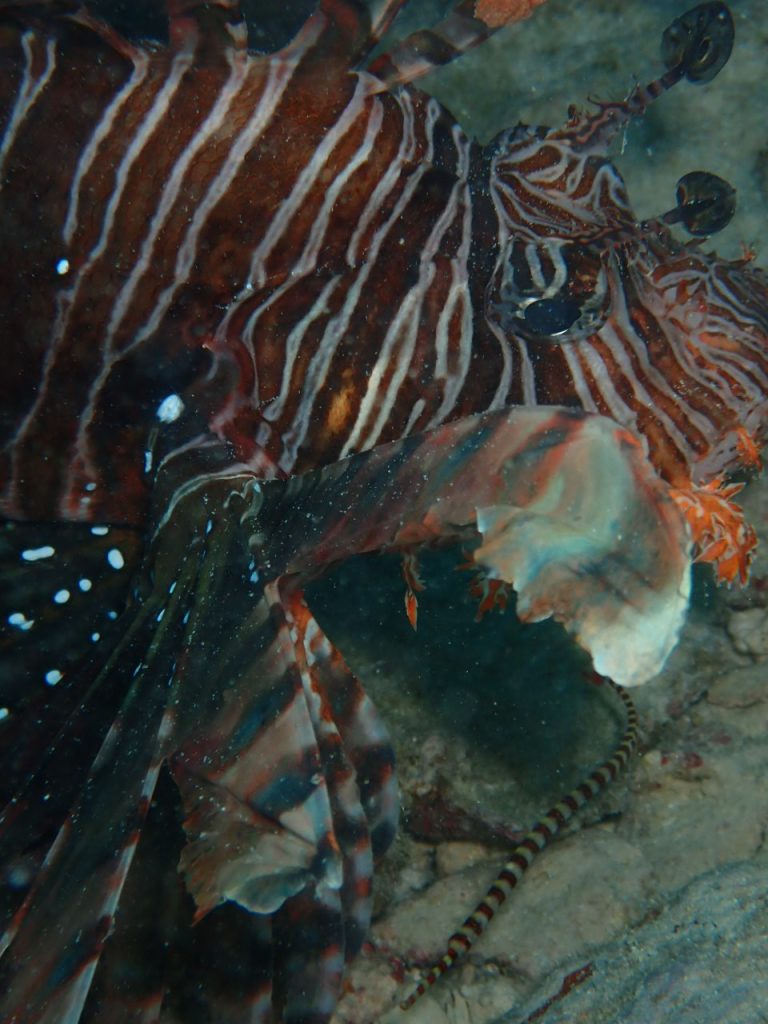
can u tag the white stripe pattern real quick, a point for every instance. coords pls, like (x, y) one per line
(371, 392)
(307, 179)
(169, 195)
(278, 80)
(101, 132)
(458, 294)
(31, 89)
(300, 287)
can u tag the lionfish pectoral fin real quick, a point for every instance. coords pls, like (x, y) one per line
(358, 764)
(286, 793)
(300, 764)
(258, 761)
(266, 879)
(590, 536)
(234, 854)
(52, 948)
(63, 587)
(562, 505)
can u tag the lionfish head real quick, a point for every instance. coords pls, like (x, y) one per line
(615, 314)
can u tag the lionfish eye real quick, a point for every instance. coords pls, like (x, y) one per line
(551, 316)
(699, 42)
(550, 289)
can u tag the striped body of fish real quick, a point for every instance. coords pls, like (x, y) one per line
(261, 313)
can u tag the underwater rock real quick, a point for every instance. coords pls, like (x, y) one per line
(748, 629)
(702, 960)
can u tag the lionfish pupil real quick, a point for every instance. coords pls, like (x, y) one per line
(552, 288)
(551, 316)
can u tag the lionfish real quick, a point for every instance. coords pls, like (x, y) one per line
(261, 313)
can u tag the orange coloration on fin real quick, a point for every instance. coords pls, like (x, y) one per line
(413, 583)
(491, 594)
(496, 13)
(718, 527)
(412, 608)
(748, 449)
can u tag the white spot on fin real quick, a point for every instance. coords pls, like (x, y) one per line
(35, 554)
(20, 621)
(115, 558)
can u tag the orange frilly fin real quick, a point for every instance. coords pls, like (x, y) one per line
(718, 527)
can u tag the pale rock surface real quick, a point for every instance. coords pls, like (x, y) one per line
(702, 960)
(748, 629)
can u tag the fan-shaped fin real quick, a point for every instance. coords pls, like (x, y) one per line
(358, 757)
(343, 766)
(141, 957)
(513, 484)
(53, 944)
(274, 819)
(258, 762)
(63, 587)
(58, 935)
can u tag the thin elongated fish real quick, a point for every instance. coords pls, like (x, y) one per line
(260, 313)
